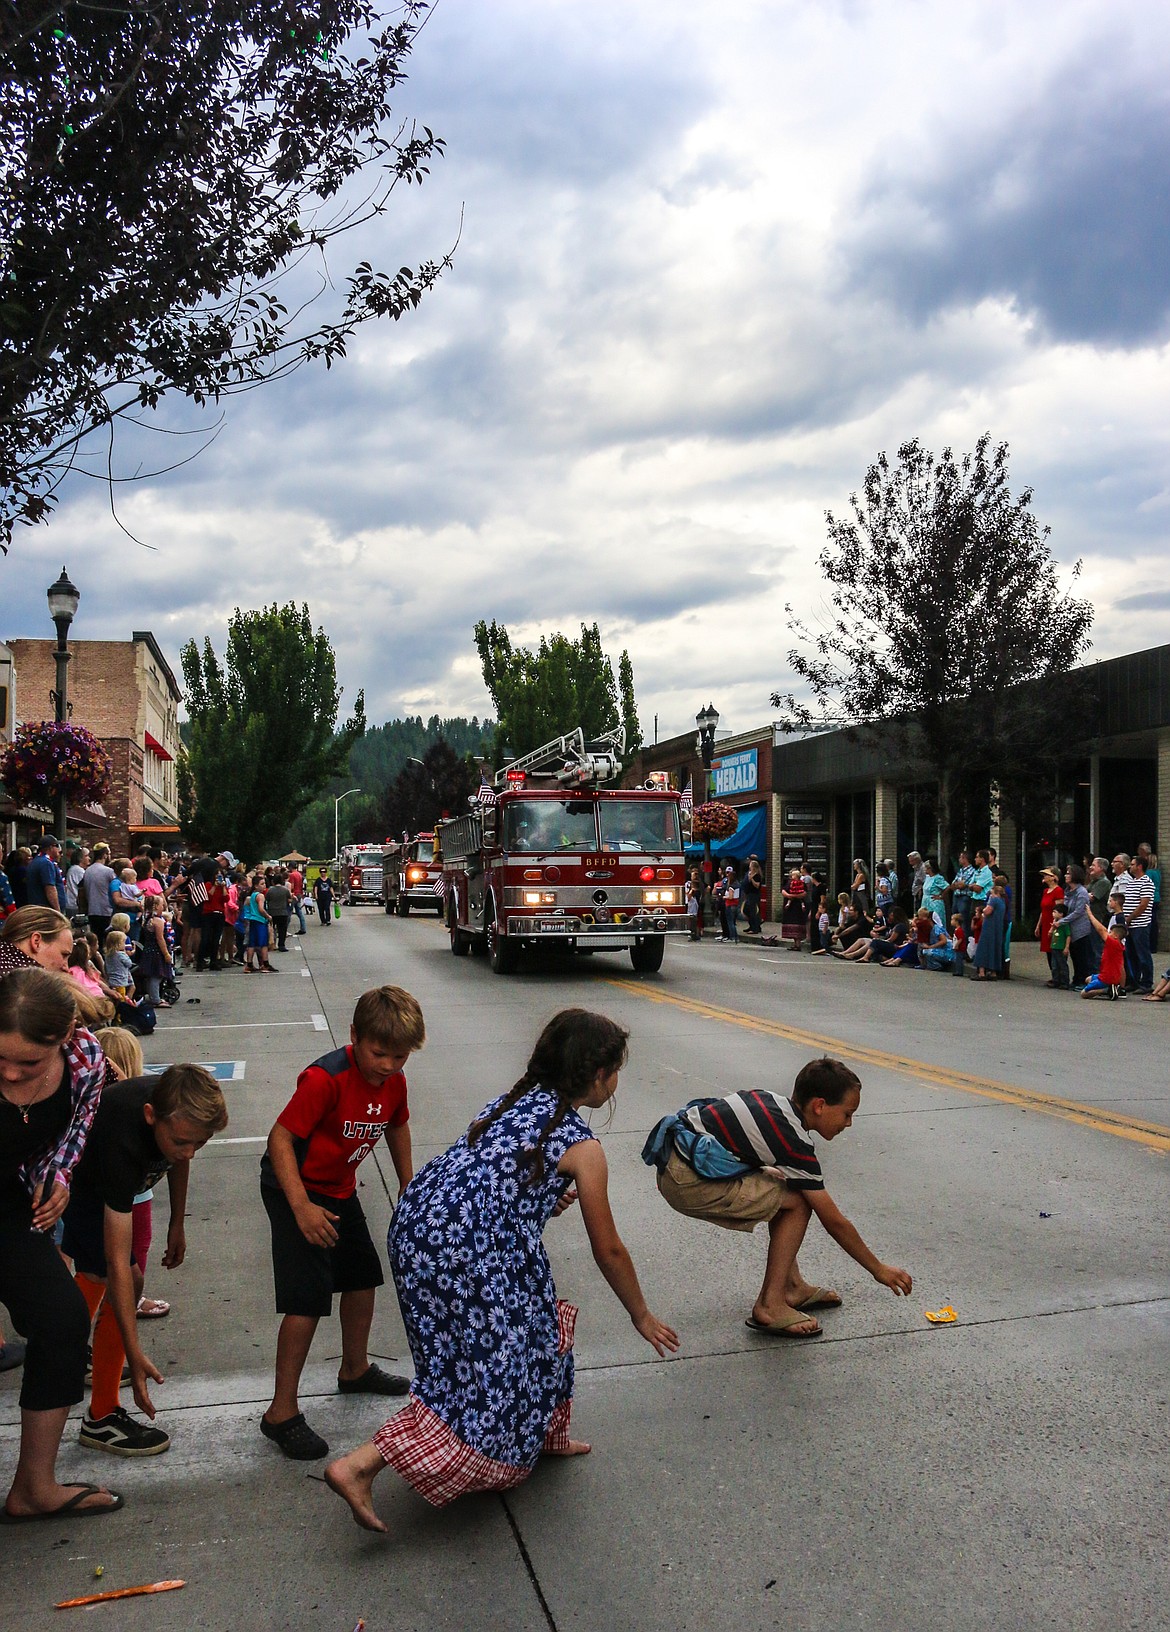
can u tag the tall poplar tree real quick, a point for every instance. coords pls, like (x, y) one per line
(263, 736)
(564, 683)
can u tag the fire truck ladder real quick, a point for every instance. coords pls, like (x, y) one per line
(571, 761)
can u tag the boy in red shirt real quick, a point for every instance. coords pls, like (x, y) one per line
(321, 1244)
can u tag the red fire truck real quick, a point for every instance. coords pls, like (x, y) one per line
(412, 876)
(359, 873)
(549, 858)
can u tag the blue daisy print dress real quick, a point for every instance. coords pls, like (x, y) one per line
(491, 1342)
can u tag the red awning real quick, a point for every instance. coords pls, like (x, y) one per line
(156, 747)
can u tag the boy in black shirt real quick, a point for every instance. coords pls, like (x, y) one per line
(143, 1128)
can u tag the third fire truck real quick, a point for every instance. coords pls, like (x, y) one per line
(412, 876)
(548, 857)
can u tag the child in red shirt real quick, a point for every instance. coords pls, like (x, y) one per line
(1109, 981)
(321, 1244)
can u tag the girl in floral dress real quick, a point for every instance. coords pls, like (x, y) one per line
(492, 1343)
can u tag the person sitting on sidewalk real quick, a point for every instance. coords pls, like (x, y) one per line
(1109, 981)
(343, 1104)
(749, 1159)
(143, 1128)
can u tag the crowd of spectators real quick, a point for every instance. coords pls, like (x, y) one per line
(1097, 923)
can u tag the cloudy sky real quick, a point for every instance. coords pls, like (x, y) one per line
(712, 261)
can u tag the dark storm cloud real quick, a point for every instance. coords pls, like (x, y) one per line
(1063, 209)
(1151, 600)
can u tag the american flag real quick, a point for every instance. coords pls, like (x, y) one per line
(687, 802)
(440, 886)
(485, 794)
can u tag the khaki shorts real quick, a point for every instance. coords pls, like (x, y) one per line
(736, 1204)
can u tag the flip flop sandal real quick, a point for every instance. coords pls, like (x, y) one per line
(783, 1327)
(69, 1508)
(152, 1308)
(820, 1297)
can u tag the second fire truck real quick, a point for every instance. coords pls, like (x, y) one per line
(551, 858)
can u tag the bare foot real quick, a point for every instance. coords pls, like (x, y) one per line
(352, 1478)
(575, 1447)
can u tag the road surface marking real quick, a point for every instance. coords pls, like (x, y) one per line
(247, 1025)
(320, 1023)
(1154, 1135)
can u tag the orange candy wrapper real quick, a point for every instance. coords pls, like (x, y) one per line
(122, 1592)
(941, 1317)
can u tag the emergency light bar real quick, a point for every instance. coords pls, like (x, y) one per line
(515, 778)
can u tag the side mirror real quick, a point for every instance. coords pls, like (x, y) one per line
(491, 826)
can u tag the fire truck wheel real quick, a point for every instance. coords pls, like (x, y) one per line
(647, 955)
(460, 944)
(402, 907)
(501, 951)
(389, 909)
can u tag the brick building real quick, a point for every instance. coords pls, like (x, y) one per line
(125, 692)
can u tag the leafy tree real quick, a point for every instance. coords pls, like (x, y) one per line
(165, 166)
(263, 735)
(564, 683)
(950, 641)
(424, 791)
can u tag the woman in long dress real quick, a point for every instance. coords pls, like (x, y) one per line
(988, 959)
(491, 1341)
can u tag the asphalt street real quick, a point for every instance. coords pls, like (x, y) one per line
(1009, 1471)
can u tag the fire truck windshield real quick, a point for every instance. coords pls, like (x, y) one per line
(425, 850)
(551, 824)
(640, 824)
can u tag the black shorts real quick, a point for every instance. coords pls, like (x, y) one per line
(305, 1276)
(83, 1236)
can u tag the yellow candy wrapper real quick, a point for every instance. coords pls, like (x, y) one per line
(941, 1317)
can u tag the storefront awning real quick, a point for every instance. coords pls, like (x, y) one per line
(749, 839)
(156, 747)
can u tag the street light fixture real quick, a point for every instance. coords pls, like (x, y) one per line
(336, 807)
(64, 599)
(707, 719)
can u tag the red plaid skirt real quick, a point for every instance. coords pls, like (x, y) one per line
(432, 1458)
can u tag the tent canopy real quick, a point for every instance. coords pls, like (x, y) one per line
(294, 855)
(749, 839)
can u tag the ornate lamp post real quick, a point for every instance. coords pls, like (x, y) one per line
(706, 719)
(64, 599)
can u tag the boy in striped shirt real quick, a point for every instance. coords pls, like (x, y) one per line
(779, 1184)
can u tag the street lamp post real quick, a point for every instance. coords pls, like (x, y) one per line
(706, 719)
(64, 598)
(336, 807)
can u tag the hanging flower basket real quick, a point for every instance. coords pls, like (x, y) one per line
(713, 821)
(48, 759)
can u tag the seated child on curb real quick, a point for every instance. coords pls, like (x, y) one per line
(343, 1104)
(1109, 981)
(771, 1175)
(143, 1128)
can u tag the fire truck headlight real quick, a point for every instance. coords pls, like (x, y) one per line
(540, 898)
(415, 875)
(659, 898)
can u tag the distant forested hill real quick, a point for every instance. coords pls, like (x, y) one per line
(374, 761)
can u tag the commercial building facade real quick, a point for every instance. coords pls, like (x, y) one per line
(834, 796)
(125, 692)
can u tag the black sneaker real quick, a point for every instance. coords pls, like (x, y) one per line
(374, 1381)
(123, 1435)
(295, 1438)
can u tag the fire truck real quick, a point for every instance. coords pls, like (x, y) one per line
(359, 873)
(549, 858)
(412, 876)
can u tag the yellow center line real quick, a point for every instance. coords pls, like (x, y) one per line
(1153, 1135)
